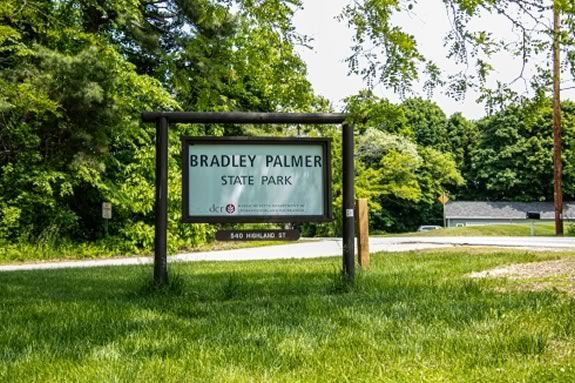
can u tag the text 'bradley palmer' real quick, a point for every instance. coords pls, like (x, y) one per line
(247, 161)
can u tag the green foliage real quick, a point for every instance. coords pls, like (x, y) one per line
(513, 159)
(463, 138)
(367, 110)
(397, 65)
(402, 171)
(373, 144)
(75, 76)
(505, 156)
(438, 173)
(428, 123)
(387, 169)
(70, 133)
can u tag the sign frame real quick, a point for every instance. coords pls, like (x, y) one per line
(325, 143)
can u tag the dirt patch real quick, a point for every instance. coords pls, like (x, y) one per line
(558, 274)
(530, 270)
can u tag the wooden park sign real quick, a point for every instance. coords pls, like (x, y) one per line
(269, 173)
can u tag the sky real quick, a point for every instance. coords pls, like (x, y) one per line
(332, 39)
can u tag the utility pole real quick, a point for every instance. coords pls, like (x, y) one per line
(557, 164)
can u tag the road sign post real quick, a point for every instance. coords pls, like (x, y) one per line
(443, 199)
(532, 216)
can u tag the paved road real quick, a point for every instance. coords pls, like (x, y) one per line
(320, 248)
(567, 243)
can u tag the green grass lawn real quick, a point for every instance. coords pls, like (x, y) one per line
(541, 229)
(413, 317)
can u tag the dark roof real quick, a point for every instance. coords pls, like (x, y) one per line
(504, 210)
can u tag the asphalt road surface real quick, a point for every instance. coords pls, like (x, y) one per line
(325, 247)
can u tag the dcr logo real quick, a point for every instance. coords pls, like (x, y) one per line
(229, 208)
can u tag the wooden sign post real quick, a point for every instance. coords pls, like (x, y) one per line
(362, 233)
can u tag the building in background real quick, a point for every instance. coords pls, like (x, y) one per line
(474, 213)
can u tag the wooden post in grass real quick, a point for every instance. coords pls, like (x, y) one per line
(362, 232)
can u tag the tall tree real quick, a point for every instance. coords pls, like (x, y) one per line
(428, 123)
(463, 137)
(511, 160)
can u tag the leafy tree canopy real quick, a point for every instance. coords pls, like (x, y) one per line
(512, 160)
(383, 52)
(405, 159)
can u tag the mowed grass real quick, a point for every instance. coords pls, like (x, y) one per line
(413, 317)
(517, 230)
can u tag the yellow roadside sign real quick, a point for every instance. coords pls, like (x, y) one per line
(443, 198)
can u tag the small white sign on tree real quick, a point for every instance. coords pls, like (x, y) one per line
(107, 210)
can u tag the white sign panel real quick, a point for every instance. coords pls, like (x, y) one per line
(256, 180)
(106, 210)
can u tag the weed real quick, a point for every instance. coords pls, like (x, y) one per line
(175, 286)
(232, 288)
